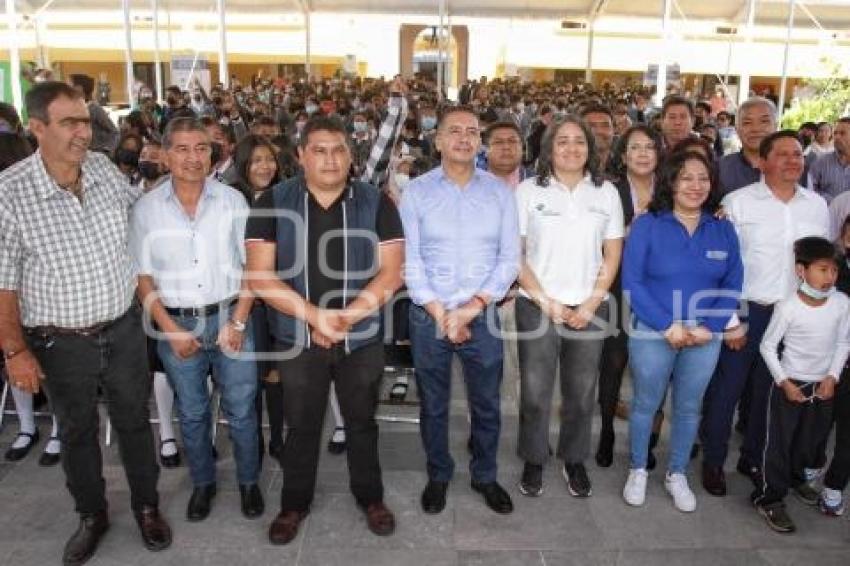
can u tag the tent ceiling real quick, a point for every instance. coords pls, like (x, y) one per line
(831, 14)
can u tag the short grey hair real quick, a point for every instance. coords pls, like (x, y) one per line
(176, 125)
(754, 101)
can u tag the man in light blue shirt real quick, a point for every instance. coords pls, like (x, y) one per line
(462, 253)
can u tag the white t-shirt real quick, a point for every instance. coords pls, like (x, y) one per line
(564, 231)
(816, 339)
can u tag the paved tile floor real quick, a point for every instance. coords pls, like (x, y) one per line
(36, 516)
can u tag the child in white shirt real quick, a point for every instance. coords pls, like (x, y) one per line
(813, 327)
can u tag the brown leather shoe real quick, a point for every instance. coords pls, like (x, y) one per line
(156, 534)
(714, 480)
(83, 543)
(381, 520)
(284, 528)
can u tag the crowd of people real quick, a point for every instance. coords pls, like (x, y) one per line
(278, 239)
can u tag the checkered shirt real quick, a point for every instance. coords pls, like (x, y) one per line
(67, 260)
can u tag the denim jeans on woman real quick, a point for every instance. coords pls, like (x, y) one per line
(655, 365)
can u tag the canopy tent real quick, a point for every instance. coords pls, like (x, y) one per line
(828, 15)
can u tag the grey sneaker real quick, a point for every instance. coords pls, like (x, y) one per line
(806, 493)
(531, 483)
(777, 517)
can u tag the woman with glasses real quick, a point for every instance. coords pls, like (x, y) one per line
(635, 161)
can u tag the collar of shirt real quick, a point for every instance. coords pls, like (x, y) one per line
(212, 189)
(585, 183)
(746, 163)
(47, 186)
(763, 191)
(473, 180)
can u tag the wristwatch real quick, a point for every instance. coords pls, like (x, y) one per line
(237, 325)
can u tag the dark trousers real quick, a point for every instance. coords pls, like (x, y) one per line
(306, 380)
(481, 358)
(612, 365)
(794, 433)
(838, 474)
(263, 348)
(547, 351)
(726, 387)
(116, 361)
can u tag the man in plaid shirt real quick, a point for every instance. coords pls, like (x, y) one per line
(66, 310)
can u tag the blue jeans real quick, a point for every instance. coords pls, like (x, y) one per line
(655, 365)
(236, 378)
(481, 357)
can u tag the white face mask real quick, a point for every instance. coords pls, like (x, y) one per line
(360, 126)
(401, 180)
(815, 294)
(310, 108)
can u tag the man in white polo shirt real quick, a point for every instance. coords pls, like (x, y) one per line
(769, 216)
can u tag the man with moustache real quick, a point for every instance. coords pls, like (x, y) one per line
(66, 310)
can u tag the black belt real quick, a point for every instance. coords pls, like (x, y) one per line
(205, 310)
(88, 331)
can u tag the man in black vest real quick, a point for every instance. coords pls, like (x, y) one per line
(325, 254)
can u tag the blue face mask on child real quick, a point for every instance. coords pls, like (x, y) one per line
(815, 294)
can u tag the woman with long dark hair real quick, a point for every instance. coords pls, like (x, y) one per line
(256, 165)
(562, 313)
(682, 272)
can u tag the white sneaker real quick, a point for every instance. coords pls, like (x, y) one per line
(683, 498)
(635, 490)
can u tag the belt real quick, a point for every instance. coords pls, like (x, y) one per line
(88, 331)
(205, 310)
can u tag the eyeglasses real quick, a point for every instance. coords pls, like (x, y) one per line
(637, 147)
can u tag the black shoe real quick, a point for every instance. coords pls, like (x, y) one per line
(171, 461)
(578, 483)
(200, 503)
(16, 454)
(48, 459)
(156, 534)
(336, 447)
(495, 496)
(252, 501)
(531, 484)
(83, 543)
(777, 517)
(434, 497)
(605, 450)
(714, 480)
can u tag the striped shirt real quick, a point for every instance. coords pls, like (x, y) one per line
(66, 258)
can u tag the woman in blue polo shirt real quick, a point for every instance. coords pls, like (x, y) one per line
(682, 272)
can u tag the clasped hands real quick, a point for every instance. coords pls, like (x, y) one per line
(681, 336)
(576, 318)
(329, 326)
(824, 391)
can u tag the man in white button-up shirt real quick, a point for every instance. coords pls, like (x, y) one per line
(769, 217)
(187, 238)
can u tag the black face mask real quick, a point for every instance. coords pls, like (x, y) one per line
(127, 157)
(149, 170)
(215, 154)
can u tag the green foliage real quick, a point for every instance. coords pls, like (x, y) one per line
(830, 100)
